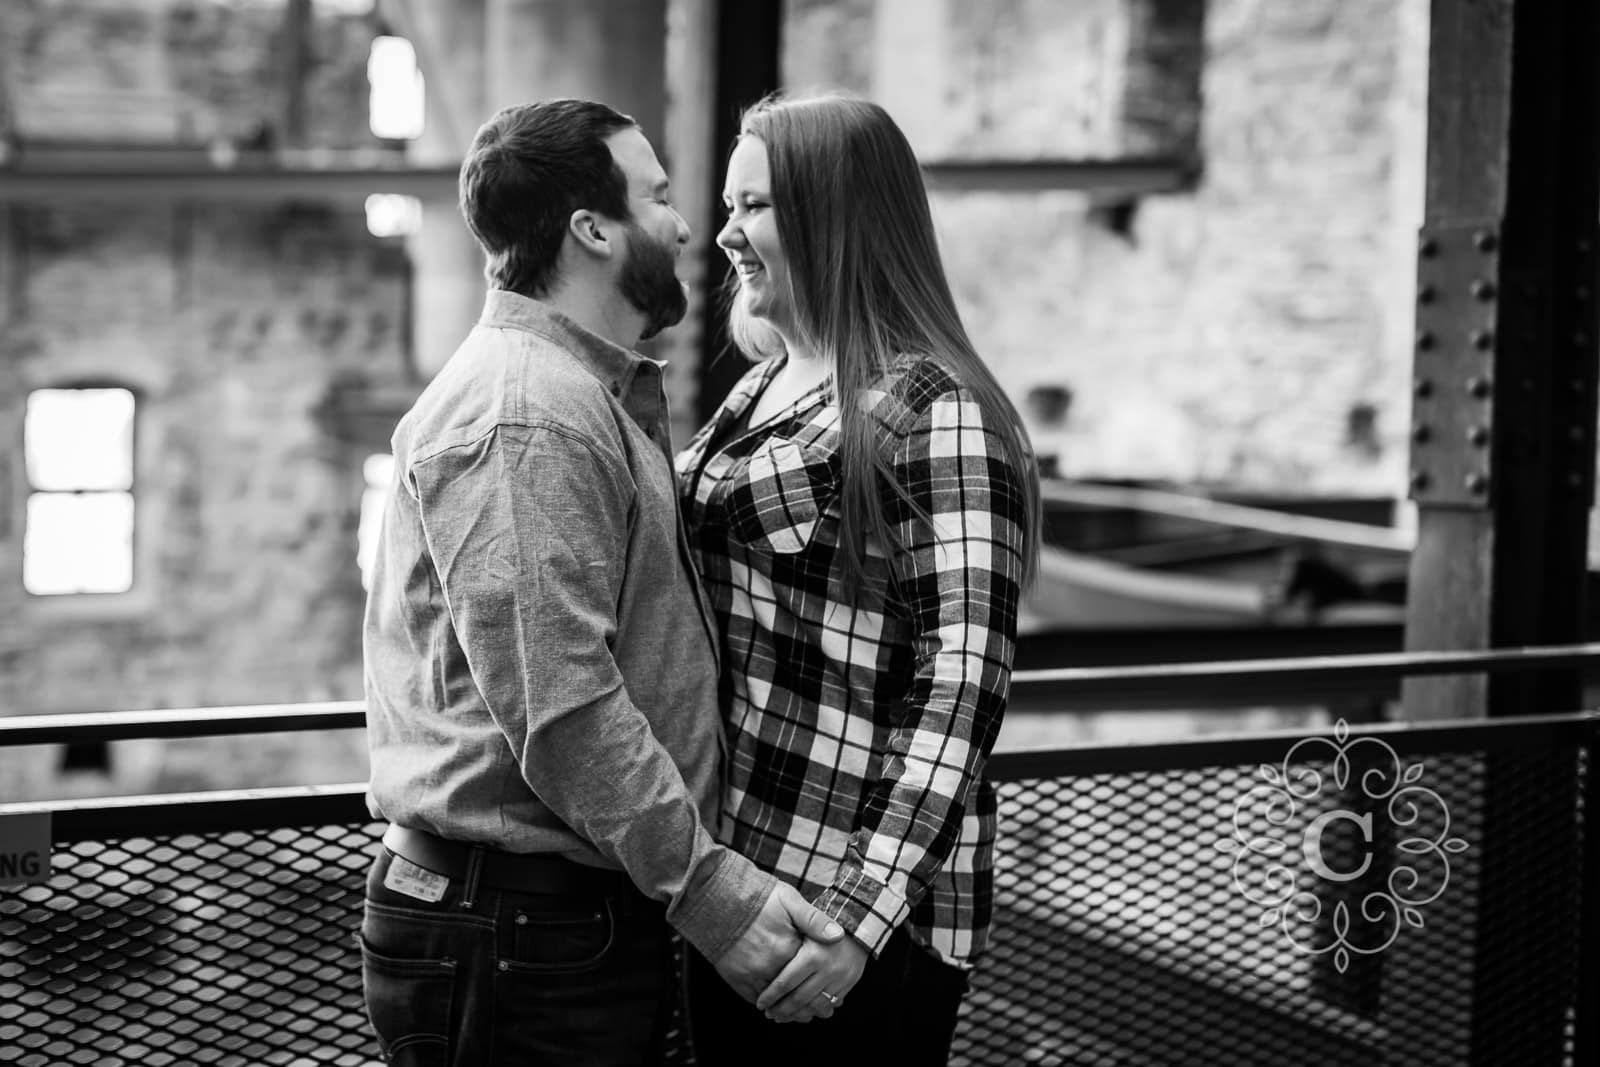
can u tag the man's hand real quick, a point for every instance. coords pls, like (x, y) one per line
(785, 922)
(797, 994)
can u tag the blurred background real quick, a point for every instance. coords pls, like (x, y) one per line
(1182, 232)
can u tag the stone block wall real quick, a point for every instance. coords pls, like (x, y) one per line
(1229, 331)
(243, 329)
(178, 72)
(1254, 328)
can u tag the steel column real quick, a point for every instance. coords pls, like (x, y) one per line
(1503, 453)
(748, 54)
(1504, 414)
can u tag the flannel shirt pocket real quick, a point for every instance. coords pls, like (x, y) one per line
(779, 495)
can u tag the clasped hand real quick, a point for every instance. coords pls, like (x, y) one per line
(789, 956)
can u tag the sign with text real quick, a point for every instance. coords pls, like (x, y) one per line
(24, 849)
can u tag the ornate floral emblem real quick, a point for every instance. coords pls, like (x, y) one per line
(1378, 879)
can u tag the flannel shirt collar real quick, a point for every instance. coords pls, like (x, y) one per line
(749, 388)
(634, 379)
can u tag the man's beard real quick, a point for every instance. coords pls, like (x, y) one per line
(650, 282)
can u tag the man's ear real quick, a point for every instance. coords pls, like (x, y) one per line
(591, 233)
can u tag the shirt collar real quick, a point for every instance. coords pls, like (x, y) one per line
(634, 379)
(744, 393)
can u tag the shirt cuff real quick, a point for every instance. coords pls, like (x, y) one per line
(720, 906)
(866, 907)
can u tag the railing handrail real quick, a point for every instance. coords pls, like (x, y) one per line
(162, 814)
(1064, 688)
(1272, 746)
(92, 726)
(1284, 679)
(97, 818)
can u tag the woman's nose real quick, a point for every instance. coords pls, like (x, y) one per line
(730, 236)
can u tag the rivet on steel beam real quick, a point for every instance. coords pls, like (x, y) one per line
(1420, 480)
(1483, 241)
(1577, 434)
(1583, 292)
(1580, 339)
(1422, 433)
(1478, 387)
(1428, 247)
(1477, 483)
(1575, 479)
(1577, 386)
(1482, 340)
(1423, 387)
(1426, 292)
(1478, 436)
(1583, 244)
(1424, 340)
(1482, 290)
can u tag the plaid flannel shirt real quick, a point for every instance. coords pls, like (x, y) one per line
(858, 731)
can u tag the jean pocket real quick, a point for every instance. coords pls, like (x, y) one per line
(563, 941)
(409, 1002)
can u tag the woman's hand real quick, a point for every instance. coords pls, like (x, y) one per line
(815, 982)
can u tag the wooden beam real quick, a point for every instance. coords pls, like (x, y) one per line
(139, 176)
(1122, 178)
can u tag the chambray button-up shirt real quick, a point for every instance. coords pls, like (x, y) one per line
(541, 673)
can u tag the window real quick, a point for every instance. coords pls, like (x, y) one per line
(393, 215)
(378, 471)
(78, 449)
(395, 105)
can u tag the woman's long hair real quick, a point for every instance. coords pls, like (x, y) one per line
(868, 287)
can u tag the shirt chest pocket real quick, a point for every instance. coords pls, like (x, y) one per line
(780, 495)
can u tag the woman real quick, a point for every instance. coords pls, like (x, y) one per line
(864, 508)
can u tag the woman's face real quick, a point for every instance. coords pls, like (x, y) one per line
(750, 236)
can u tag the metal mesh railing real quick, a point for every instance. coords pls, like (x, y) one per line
(228, 948)
(1133, 928)
(1129, 928)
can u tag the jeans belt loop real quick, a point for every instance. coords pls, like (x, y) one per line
(469, 890)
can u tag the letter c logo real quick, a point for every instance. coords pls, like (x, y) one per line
(1312, 845)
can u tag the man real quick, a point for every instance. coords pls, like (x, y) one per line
(541, 671)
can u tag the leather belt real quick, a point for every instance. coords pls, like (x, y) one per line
(519, 872)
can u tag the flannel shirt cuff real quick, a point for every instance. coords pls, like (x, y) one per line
(866, 907)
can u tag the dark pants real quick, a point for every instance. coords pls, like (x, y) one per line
(486, 977)
(902, 1011)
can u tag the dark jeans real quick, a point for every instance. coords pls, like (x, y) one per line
(488, 977)
(903, 1011)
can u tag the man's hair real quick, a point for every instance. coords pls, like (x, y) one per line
(868, 285)
(529, 168)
